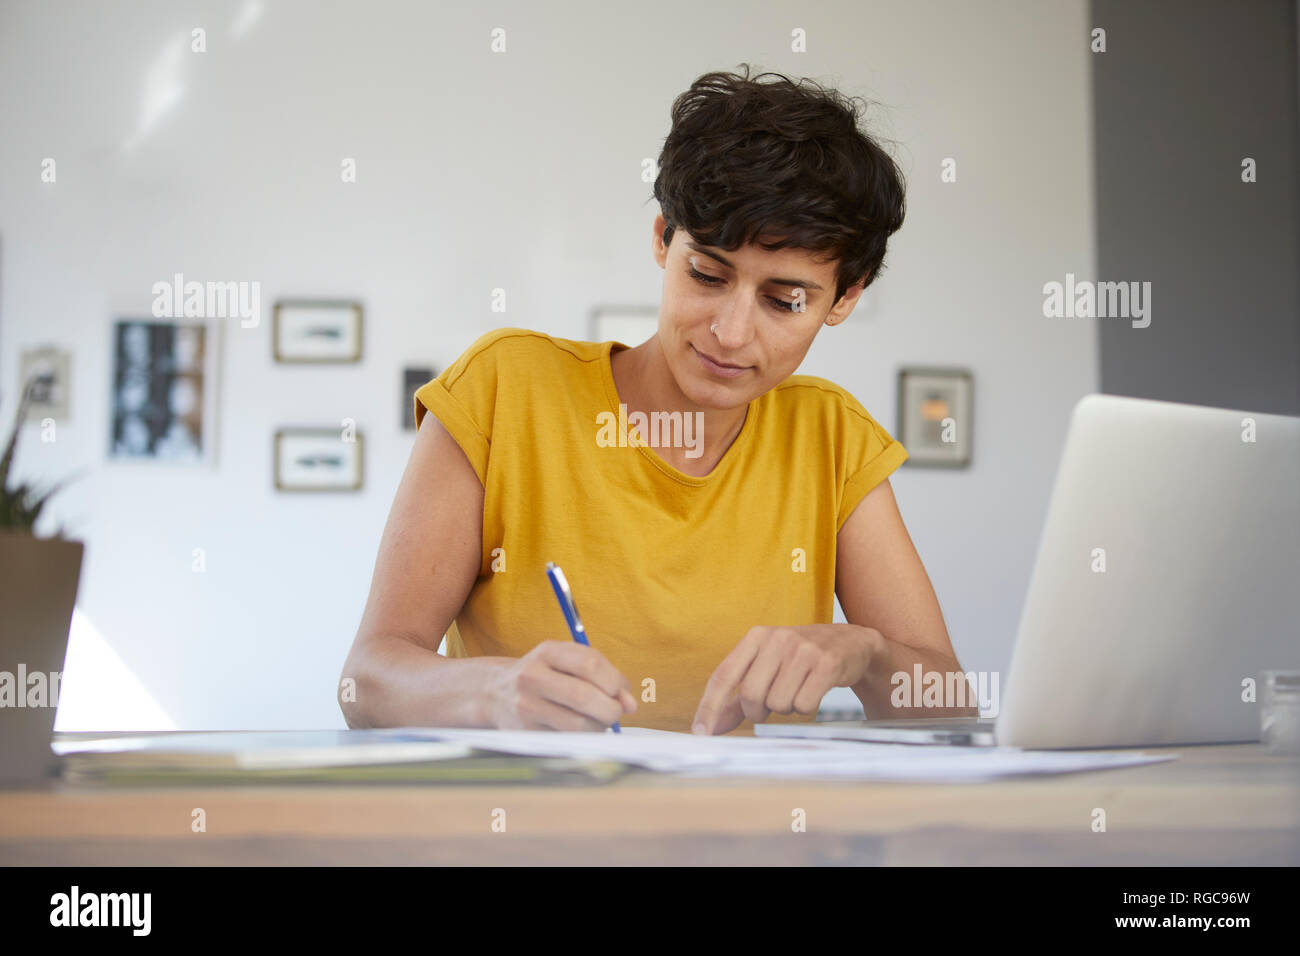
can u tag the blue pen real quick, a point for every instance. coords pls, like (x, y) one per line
(565, 597)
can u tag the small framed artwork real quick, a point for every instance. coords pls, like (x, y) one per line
(47, 373)
(318, 459)
(935, 416)
(630, 325)
(164, 391)
(413, 379)
(316, 332)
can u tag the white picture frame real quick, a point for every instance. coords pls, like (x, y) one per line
(316, 332)
(318, 460)
(48, 371)
(935, 405)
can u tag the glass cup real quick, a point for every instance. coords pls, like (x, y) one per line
(1279, 713)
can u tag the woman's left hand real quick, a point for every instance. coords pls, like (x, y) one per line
(784, 670)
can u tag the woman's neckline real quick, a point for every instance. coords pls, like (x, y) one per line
(730, 455)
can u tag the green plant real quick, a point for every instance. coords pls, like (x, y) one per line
(21, 506)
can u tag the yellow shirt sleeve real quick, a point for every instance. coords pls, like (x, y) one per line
(463, 399)
(873, 455)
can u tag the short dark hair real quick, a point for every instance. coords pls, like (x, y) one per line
(783, 164)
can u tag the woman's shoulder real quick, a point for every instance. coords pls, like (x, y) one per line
(530, 343)
(810, 412)
(808, 396)
(507, 349)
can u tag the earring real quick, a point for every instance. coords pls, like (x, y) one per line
(714, 328)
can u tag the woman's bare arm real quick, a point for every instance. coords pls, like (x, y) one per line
(428, 561)
(882, 584)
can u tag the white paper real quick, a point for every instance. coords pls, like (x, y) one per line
(696, 755)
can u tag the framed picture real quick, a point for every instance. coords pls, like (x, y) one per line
(316, 332)
(935, 416)
(164, 390)
(413, 379)
(317, 459)
(48, 373)
(630, 325)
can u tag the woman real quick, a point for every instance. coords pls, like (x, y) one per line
(705, 570)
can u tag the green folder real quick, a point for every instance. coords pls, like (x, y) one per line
(300, 757)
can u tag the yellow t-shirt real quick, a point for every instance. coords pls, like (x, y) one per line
(668, 570)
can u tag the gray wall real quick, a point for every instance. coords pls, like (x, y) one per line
(1183, 93)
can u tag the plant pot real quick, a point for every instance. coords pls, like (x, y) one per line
(38, 589)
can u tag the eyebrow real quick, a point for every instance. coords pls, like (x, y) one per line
(794, 282)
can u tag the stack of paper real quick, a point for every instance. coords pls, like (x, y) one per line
(322, 756)
(453, 755)
(707, 756)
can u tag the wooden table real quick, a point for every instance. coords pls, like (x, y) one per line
(1215, 805)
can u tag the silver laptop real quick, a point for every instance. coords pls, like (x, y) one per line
(1199, 528)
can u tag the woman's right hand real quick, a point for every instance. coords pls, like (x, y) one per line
(561, 685)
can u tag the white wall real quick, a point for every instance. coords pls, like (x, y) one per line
(476, 171)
